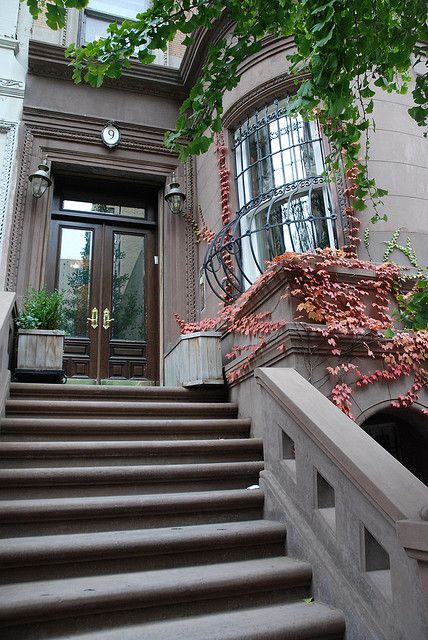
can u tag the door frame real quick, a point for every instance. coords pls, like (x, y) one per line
(94, 220)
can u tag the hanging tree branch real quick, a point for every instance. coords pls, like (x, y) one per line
(345, 49)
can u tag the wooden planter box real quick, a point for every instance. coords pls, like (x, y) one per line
(40, 350)
(195, 360)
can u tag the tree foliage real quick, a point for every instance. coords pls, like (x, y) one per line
(344, 49)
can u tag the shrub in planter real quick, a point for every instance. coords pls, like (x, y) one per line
(40, 340)
(41, 310)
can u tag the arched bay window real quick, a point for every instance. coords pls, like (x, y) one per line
(284, 201)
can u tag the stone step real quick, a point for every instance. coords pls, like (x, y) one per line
(190, 588)
(132, 452)
(126, 480)
(118, 409)
(52, 557)
(106, 429)
(33, 391)
(290, 621)
(19, 518)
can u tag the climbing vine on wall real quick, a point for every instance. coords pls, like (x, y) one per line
(200, 233)
(334, 302)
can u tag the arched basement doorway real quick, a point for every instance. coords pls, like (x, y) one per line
(404, 434)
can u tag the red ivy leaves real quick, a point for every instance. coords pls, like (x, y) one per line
(349, 306)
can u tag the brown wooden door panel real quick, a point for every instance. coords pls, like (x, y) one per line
(128, 295)
(111, 268)
(74, 269)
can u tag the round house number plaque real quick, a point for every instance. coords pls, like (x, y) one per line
(110, 135)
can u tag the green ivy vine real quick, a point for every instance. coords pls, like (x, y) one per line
(344, 51)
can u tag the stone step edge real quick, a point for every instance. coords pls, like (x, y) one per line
(35, 390)
(55, 599)
(117, 426)
(109, 448)
(141, 474)
(35, 407)
(289, 621)
(60, 549)
(60, 509)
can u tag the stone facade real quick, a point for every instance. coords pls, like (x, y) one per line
(15, 27)
(63, 121)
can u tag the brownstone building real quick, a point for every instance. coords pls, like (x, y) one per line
(103, 235)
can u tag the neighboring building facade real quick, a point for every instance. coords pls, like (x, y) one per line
(15, 25)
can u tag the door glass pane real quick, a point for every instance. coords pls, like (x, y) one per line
(128, 295)
(110, 209)
(74, 279)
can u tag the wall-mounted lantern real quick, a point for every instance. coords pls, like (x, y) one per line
(40, 179)
(175, 197)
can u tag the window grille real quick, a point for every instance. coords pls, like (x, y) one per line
(284, 201)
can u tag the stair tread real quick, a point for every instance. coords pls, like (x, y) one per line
(63, 597)
(275, 622)
(134, 447)
(108, 427)
(132, 473)
(182, 394)
(90, 507)
(95, 561)
(110, 406)
(123, 422)
(52, 549)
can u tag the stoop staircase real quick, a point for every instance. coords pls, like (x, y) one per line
(125, 515)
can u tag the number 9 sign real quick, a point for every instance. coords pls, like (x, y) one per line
(110, 135)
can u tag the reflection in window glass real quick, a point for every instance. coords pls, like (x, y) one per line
(123, 9)
(281, 157)
(128, 296)
(96, 28)
(272, 150)
(100, 13)
(74, 279)
(112, 209)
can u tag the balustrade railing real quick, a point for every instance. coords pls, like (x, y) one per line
(295, 217)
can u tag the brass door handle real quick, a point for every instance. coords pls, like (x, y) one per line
(94, 318)
(106, 319)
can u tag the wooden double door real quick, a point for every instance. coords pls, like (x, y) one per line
(106, 269)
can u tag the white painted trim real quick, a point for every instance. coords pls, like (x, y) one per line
(10, 129)
(12, 88)
(9, 43)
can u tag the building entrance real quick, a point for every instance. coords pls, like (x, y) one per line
(102, 259)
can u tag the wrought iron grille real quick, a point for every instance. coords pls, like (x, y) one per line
(285, 203)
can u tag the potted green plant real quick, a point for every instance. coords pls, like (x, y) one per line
(40, 338)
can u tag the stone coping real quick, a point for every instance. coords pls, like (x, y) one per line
(389, 486)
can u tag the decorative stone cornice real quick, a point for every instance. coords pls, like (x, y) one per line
(49, 60)
(194, 57)
(68, 126)
(298, 339)
(9, 43)
(12, 88)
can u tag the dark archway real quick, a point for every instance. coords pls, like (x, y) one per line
(404, 434)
